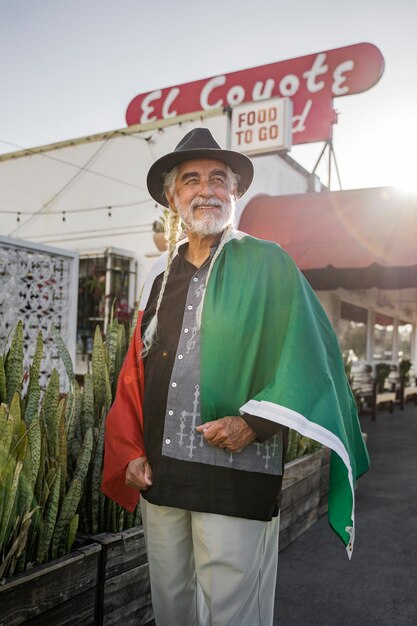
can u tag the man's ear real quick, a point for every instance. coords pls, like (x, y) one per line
(234, 191)
(169, 196)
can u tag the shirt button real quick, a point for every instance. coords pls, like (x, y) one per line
(174, 384)
(189, 307)
(186, 330)
(168, 441)
(195, 279)
(180, 356)
(170, 412)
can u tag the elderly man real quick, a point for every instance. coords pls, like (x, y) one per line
(231, 350)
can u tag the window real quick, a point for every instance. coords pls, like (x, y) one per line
(383, 337)
(404, 340)
(106, 280)
(352, 329)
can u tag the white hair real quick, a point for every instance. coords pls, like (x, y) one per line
(173, 228)
(169, 181)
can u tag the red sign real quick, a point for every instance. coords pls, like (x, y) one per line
(311, 82)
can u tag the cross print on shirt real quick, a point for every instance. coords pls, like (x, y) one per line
(258, 447)
(266, 456)
(194, 414)
(191, 341)
(274, 445)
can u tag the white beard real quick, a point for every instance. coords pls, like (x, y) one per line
(213, 221)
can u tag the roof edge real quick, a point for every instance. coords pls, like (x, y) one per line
(128, 130)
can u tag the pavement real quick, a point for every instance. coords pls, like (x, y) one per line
(318, 586)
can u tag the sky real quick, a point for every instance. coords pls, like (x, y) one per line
(69, 68)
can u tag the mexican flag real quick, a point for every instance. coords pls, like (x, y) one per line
(267, 349)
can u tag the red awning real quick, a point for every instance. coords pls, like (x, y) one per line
(355, 239)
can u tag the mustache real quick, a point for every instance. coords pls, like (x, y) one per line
(198, 202)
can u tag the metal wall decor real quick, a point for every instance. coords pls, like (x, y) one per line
(36, 286)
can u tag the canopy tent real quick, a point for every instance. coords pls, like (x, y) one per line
(90, 187)
(89, 194)
(354, 239)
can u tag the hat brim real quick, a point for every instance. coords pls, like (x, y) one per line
(238, 162)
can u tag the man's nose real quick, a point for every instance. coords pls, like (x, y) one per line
(206, 188)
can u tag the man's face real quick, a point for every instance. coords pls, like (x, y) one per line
(203, 196)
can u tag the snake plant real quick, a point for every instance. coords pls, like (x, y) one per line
(51, 452)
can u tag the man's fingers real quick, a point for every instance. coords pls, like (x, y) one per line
(148, 474)
(215, 435)
(230, 433)
(139, 474)
(205, 427)
(211, 432)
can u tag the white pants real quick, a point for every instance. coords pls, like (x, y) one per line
(210, 570)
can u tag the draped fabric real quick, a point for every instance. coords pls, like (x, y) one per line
(124, 426)
(282, 363)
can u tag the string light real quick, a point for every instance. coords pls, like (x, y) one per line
(82, 170)
(82, 210)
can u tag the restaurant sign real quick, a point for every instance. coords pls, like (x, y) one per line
(311, 82)
(261, 127)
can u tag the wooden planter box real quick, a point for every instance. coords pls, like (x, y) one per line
(124, 595)
(60, 592)
(103, 583)
(300, 496)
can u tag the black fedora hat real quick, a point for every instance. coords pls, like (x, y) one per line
(199, 143)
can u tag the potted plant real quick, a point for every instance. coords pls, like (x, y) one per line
(404, 367)
(158, 228)
(39, 496)
(381, 373)
(407, 382)
(51, 451)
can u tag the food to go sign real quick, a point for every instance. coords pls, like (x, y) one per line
(310, 82)
(262, 126)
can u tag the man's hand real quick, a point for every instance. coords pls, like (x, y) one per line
(139, 474)
(231, 433)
